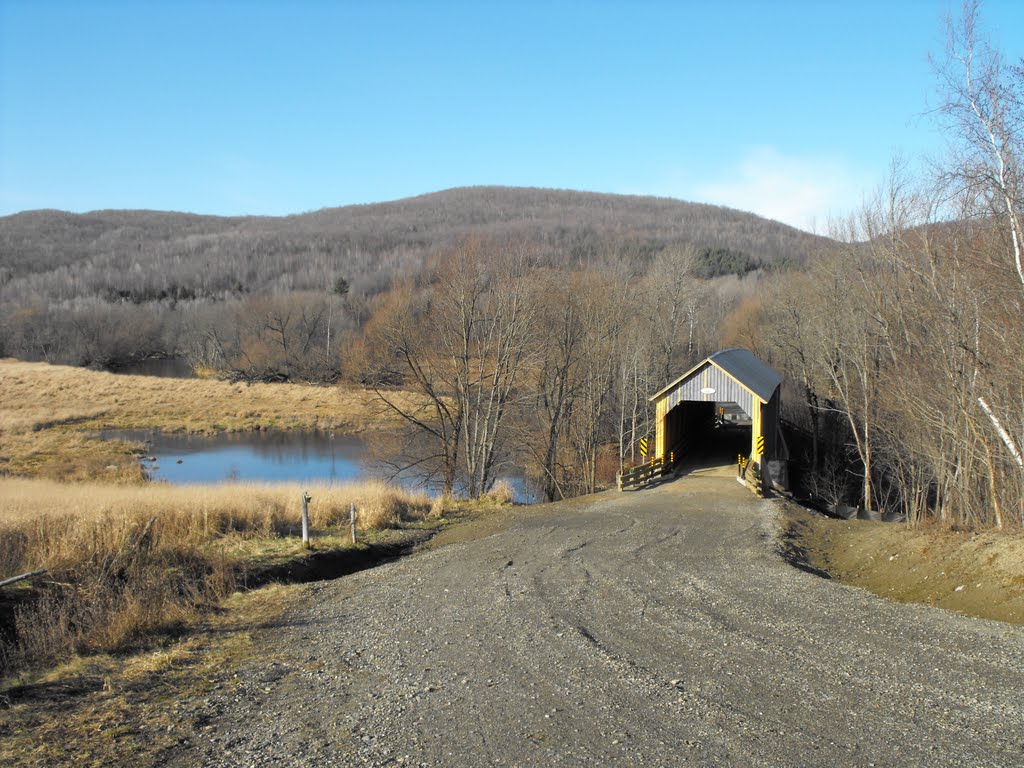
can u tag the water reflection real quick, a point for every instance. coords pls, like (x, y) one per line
(271, 457)
(267, 457)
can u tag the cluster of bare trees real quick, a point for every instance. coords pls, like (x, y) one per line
(287, 337)
(86, 332)
(216, 289)
(907, 340)
(464, 347)
(267, 337)
(546, 368)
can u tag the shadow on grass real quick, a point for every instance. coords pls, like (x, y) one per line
(311, 566)
(327, 564)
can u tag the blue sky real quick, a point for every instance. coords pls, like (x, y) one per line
(792, 110)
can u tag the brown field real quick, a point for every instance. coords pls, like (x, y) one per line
(127, 561)
(61, 520)
(139, 600)
(47, 411)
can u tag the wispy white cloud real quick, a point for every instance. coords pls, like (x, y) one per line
(802, 191)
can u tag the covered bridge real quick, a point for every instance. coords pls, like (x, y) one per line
(730, 393)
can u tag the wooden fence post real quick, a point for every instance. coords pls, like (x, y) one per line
(352, 519)
(306, 498)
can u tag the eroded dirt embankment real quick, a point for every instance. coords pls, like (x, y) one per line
(977, 574)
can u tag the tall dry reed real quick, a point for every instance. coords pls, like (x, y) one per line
(127, 560)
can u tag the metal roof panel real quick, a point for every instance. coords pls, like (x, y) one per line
(742, 365)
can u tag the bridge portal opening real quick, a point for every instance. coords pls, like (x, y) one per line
(707, 433)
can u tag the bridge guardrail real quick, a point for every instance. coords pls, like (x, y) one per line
(643, 474)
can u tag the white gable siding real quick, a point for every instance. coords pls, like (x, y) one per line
(727, 390)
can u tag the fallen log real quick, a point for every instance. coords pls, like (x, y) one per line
(23, 576)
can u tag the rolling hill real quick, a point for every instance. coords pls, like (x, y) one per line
(51, 255)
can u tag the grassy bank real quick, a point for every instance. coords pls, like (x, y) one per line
(977, 574)
(46, 412)
(109, 710)
(128, 562)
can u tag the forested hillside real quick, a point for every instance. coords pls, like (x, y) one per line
(148, 255)
(270, 297)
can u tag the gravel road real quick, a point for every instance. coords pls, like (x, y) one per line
(655, 628)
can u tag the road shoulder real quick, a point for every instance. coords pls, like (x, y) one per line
(975, 574)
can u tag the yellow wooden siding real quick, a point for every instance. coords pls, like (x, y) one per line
(659, 432)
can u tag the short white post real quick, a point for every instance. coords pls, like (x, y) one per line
(352, 519)
(306, 498)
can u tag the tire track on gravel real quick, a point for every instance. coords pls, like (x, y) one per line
(655, 628)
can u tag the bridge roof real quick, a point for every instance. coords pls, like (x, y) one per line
(741, 365)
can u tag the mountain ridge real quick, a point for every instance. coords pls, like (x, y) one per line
(370, 243)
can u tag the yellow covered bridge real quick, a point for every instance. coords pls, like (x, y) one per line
(731, 394)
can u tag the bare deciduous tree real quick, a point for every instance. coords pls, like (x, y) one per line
(464, 352)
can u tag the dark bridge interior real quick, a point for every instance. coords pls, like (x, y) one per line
(704, 434)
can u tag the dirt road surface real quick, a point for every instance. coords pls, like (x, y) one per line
(656, 628)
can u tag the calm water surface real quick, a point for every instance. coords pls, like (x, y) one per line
(266, 457)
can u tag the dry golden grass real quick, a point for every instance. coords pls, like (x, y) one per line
(44, 409)
(69, 455)
(128, 559)
(125, 561)
(501, 492)
(104, 710)
(37, 395)
(53, 525)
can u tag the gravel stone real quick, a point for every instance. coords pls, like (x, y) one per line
(653, 628)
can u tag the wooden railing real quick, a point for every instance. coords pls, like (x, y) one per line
(741, 466)
(643, 474)
(748, 470)
(651, 471)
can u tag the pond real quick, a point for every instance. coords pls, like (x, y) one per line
(265, 457)
(309, 457)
